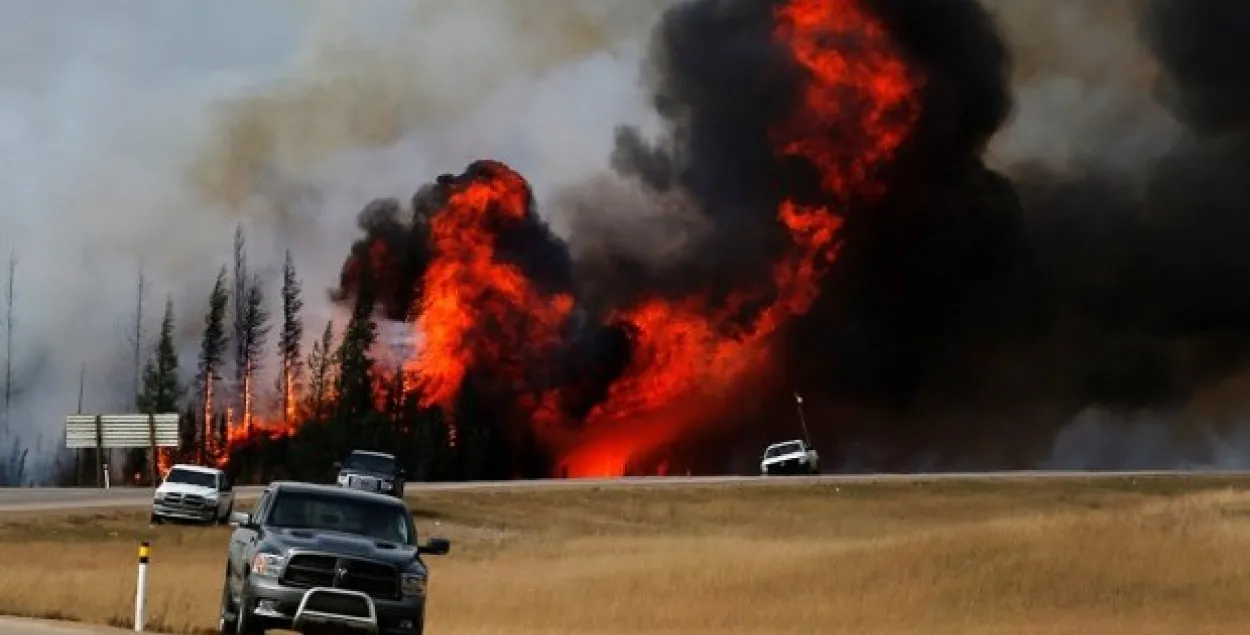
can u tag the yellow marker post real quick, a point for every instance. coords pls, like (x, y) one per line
(141, 589)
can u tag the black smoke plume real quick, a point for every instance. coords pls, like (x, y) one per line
(399, 245)
(970, 315)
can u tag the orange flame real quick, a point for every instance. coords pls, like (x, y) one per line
(857, 104)
(471, 299)
(857, 107)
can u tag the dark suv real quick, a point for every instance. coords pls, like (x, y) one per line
(372, 472)
(313, 557)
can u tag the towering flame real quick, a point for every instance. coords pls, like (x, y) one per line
(857, 105)
(477, 309)
(496, 305)
(845, 235)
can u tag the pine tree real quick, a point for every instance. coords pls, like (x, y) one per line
(354, 388)
(161, 389)
(212, 348)
(321, 368)
(290, 341)
(255, 330)
(238, 314)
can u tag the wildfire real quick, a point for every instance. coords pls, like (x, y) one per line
(857, 106)
(477, 309)
(482, 315)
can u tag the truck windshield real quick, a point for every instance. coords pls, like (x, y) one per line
(372, 519)
(191, 477)
(369, 463)
(784, 448)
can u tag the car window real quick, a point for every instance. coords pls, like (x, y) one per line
(307, 510)
(191, 477)
(784, 448)
(369, 462)
(262, 505)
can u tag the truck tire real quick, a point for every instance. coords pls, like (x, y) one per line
(225, 518)
(226, 613)
(245, 621)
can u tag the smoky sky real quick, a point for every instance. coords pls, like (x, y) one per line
(971, 314)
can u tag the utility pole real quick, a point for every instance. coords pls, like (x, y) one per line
(798, 403)
(138, 334)
(8, 338)
(82, 381)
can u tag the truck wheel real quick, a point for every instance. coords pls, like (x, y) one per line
(245, 623)
(225, 518)
(156, 520)
(226, 614)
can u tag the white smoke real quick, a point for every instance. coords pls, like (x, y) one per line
(138, 132)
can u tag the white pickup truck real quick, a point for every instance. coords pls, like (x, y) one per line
(789, 457)
(194, 493)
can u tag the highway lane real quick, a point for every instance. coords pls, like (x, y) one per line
(32, 499)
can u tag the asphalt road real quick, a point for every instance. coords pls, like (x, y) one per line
(45, 499)
(30, 499)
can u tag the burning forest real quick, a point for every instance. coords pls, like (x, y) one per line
(494, 298)
(852, 246)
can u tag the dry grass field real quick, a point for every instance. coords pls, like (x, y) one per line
(1107, 557)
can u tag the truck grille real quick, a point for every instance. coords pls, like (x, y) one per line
(185, 501)
(367, 483)
(379, 581)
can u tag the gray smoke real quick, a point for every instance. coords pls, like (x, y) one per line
(141, 133)
(134, 133)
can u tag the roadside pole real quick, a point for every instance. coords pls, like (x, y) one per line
(141, 589)
(798, 403)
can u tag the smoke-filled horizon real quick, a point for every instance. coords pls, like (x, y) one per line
(135, 136)
(958, 328)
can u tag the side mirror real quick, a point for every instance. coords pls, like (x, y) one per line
(436, 547)
(240, 519)
(337, 465)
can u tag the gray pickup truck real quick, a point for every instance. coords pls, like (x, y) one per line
(319, 558)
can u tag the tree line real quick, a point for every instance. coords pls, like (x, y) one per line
(334, 399)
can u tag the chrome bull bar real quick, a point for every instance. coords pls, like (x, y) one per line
(315, 610)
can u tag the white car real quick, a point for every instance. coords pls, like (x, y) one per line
(195, 493)
(790, 457)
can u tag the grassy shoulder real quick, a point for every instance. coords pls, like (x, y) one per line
(1105, 555)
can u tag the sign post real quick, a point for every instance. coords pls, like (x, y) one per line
(152, 467)
(99, 449)
(127, 431)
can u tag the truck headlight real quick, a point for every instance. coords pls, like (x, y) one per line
(268, 565)
(415, 585)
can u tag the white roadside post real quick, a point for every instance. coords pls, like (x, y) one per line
(141, 589)
(106, 476)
